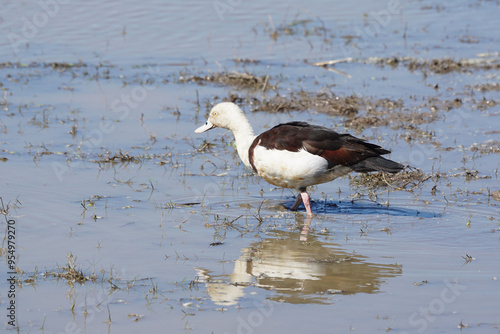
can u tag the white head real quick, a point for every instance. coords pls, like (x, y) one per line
(225, 115)
(229, 116)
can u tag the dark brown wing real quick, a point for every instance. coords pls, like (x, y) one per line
(338, 149)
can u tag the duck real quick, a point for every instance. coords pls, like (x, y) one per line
(297, 154)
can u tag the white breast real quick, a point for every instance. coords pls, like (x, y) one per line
(294, 169)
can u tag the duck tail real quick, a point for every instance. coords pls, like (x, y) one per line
(377, 164)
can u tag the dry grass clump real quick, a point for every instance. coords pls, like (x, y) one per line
(118, 157)
(238, 80)
(408, 179)
(71, 273)
(440, 65)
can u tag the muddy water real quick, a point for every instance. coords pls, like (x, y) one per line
(99, 164)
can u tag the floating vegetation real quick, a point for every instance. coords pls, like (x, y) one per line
(59, 66)
(439, 65)
(408, 179)
(490, 87)
(324, 102)
(234, 79)
(495, 195)
(118, 157)
(297, 27)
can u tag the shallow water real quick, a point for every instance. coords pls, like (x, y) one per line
(181, 237)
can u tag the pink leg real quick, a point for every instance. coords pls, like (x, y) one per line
(307, 202)
(298, 202)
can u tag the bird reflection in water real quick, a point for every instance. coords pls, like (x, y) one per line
(300, 268)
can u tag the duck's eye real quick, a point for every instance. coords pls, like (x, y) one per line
(215, 113)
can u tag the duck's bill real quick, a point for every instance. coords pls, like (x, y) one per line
(205, 127)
